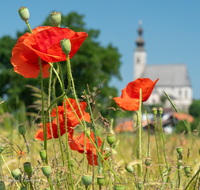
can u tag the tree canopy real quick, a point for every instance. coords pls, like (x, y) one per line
(91, 65)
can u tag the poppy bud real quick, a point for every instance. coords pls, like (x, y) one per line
(43, 155)
(17, 175)
(160, 111)
(2, 185)
(87, 179)
(148, 161)
(66, 46)
(27, 168)
(46, 170)
(187, 169)
(55, 18)
(1, 148)
(110, 138)
(154, 111)
(71, 161)
(22, 130)
(100, 180)
(47, 188)
(129, 168)
(24, 13)
(119, 186)
(179, 150)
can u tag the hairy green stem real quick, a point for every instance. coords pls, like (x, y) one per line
(27, 147)
(94, 131)
(49, 102)
(148, 149)
(156, 137)
(140, 169)
(57, 117)
(164, 148)
(67, 143)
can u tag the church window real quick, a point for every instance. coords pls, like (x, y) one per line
(186, 93)
(180, 92)
(138, 60)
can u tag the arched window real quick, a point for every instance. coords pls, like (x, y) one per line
(186, 93)
(138, 60)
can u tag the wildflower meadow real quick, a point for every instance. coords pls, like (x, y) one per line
(68, 148)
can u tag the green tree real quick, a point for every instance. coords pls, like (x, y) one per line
(91, 65)
(194, 108)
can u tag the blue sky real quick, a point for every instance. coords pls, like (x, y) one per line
(171, 29)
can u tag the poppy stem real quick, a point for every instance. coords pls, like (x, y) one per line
(57, 117)
(156, 137)
(44, 124)
(140, 169)
(148, 149)
(49, 102)
(67, 143)
(27, 23)
(75, 97)
(94, 131)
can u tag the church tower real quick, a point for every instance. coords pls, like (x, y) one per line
(139, 56)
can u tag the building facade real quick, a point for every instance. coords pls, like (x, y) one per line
(173, 78)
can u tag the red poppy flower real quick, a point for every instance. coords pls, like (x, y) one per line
(45, 43)
(71, 117)
(130, 96)
(77, 144)
(40, 135)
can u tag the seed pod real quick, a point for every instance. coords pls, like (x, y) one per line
(22, 130)
(154, 111)
(47, 188)
(160, 111)
(2, 185)
(27, 168)
(24, 13)
(179, 150)
(43, 155)
(46, 170)
(100, 180)
(71, 161)
(17, 175)
(110, 138)
(129, 168)
(187, 169)
(119, 186)
(66, 46)
(56, 18)
(148, 161)
(87, 179)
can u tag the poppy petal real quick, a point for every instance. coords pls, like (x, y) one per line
(130, 104)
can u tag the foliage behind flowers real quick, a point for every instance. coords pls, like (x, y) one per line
(38, 54)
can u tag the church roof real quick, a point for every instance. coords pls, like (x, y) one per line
(169, 75)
